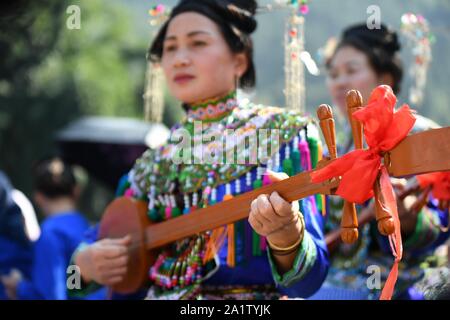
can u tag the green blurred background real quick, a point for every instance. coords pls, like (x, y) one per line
(50, 75)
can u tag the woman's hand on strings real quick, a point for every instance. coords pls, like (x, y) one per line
(104, 261)
(275, 218)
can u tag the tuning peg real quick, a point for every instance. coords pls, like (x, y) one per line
(355, 103)
(349, 222)
(326, 121)
(383, 215)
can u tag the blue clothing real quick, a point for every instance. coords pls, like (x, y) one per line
(11, 219)
(15, 248)
(256, 270)
(244, 274)
(14, 255)
(156, 179)
(60, 235)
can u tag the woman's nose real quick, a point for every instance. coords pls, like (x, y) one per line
(182, 59)
(341, 81)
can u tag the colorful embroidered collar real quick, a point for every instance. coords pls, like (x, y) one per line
(214, 109)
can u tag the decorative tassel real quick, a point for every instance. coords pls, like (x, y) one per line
(314, 151)
(228, 194)
(248, 229)
(206, 195)
(277, 164)
(194, 201)
(168, 207)
(305, 155)
(175, 210)
(187, 207)
(307, 159)
(258, 182)
(153, 215)
(213, 196)
(255, 237)
(325, 205)
(296, 165)
(262, 243)
(154, 93)
(152, 212)
(256, 244)
(215, 243)
(248, 241)
(124, 184)
(320, 150)
(319, 155)
(266, 180)
(248, 181)
(287, 162)
(231, 257)
(230, 232)
(162, 207)
(239, 232)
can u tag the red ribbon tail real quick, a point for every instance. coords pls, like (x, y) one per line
(395, 239)
(389, 286)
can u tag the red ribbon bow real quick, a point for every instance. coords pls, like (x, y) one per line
(440, 182)
(384, 128)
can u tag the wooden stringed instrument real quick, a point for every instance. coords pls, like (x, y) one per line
(419, 153)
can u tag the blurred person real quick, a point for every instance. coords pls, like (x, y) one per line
(56, 193)
(15, 244)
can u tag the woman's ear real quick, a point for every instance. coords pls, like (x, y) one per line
(39, 199)
(76, 193)
(241, 64)
(386, 78)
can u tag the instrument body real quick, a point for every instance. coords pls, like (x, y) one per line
(127, 216)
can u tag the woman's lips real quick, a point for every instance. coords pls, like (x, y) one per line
(183, 78)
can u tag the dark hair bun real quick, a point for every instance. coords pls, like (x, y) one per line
(54, 178)
(239, 13)
(248, 5)
(243, 12)
(382, 38)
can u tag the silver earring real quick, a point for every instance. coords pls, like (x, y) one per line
(237, 80)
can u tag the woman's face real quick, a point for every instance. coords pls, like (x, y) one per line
(350, 69)
(197, 61)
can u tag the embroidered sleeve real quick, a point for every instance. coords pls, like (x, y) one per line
(426, 232)
(303, 263)
(84, 289)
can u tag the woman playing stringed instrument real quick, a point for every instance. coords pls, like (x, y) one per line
(205, 50)
(364, 59)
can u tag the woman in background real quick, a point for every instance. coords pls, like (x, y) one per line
(362, 60)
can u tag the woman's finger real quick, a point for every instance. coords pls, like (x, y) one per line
(113, 251)
(255, 223)
(281, 206)
(265, 209)
(117, 262)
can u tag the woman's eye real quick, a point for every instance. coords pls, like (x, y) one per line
(332, 75)
(199, 43)
(170, 48)
(352, 72)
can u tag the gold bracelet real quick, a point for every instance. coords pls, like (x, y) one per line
(293, 246)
